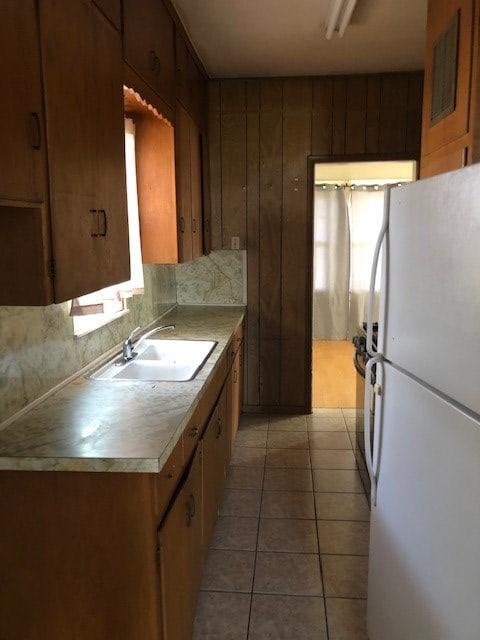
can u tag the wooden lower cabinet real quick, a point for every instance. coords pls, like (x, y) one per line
(180, 557)
(88, 555)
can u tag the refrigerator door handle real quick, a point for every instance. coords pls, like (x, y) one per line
(366, 425)
(371, 293)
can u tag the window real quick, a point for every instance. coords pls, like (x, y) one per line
(100, 307)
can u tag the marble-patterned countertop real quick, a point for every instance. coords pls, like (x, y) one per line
(98, 425)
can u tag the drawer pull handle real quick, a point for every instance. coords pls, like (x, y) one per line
(194, 432)
(191, 510)
(37, 136)
(235, 376)
(219, 428)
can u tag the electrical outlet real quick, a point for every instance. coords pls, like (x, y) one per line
(235, 242)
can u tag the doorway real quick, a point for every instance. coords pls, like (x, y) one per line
(347, 215)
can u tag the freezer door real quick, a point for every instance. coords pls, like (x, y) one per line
(431, 326)
(424, 571)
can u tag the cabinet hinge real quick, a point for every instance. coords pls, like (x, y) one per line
(51, 268)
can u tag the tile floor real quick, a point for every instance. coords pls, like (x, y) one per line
(289, 555)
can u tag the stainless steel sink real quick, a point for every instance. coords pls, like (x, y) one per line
(160, 361)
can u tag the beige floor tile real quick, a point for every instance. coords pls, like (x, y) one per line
(342, 506)
(290, 535)
(253, 422)
(288, 573)
(288, 458)
(346, 619)
(343, 537)
(329, 440)
(227, 570)
(287, 479)
(248, 438)
(287, 440)
(222, 616)
(287, 423)
(248, 456)
(351, 424)
(241, 502)
(287, 504)
(333, 480)
(345, 576)
(244, 477)
(287, 618)
(325, 423)
(349, 413)
(332, 459)
(327, 412)
(232, 532)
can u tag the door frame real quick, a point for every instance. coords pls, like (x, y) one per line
(311, 162)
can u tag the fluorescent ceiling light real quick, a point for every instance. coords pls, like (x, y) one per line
(339, 15)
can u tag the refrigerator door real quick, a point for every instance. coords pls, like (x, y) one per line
(431, 284)
(424, 571)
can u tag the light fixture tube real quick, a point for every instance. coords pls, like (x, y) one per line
(349, 6)
(333, 15)
(339, 16)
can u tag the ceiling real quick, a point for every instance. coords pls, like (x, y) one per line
(263, 38)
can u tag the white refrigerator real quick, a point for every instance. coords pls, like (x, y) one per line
(424, 566)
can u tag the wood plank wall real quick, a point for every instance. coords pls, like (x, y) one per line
(261, 133)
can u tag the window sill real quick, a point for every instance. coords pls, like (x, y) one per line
(88, 324)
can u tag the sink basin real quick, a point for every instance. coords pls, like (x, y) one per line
(160, 361)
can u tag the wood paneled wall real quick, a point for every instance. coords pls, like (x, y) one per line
(261, 134)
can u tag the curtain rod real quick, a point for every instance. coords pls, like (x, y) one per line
(356, 187)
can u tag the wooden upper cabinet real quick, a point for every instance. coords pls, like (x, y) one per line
(448, 69)
(191, 85)
(189, 186)
(84, 111)
(113, 10)
(22, 129)
(149, 46)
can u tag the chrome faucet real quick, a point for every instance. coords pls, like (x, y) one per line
(128, 352)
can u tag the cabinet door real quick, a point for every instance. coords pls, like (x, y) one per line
(183, 183)
(180, 556)
(149, 44)
(235, 395)
(21, 113)
(196, 194)
(181, 70)
(84, 109)
(188, 174)
(214, 468)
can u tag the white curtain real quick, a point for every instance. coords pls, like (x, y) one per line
(346, 225)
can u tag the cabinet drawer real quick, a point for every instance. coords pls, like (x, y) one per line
(168, 478)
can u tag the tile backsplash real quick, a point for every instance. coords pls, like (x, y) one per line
(37, 346)
(218, 278)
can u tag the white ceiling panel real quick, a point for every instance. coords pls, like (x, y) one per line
(259, 38)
